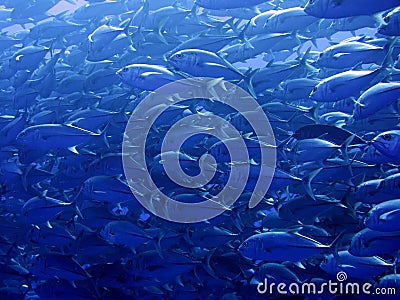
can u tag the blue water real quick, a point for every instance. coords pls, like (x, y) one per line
(92, 206)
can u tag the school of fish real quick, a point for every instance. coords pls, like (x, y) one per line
(326, 73)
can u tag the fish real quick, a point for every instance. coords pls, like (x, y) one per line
(390, 184)
(292, 89)
(346, 8)
(274, 273)
(54, 136)
(343, 85)
(372, 192)
(390, 25)
(106, 189)
(42, 209)
(375, 98)
(147, 77)
(73, 75)
(281, 246)
(369, 242)
(289, 20)
(258, 22)
(354, 266)
(201, 63)
(388, 143)
(123, 233)
(306, 208)
(55, 265)
(213, 4)
(348, 54)
(52, 287)
(316, 149)
(259, 44)
(28, 58)
(383, 216)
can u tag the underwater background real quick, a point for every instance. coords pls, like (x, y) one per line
(78, 197)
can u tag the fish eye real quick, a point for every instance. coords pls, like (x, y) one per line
(314, 89)
(386, 19)
(310, 1)
(245, 244)
(387, 137)
(179, 55)
(125, 69)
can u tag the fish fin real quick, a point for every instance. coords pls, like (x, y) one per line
(358, 103)
(335, 244)
(248, 78)
(215, 82)
(387, 216)
(193, 12)
(339, 55)
(388, 60)
(295, 230)
(25, 175)
(157, 244)
(211, 64)
(207, 265)
(243, 38)
(78, 211)
(300, 265)
(308, 187)
(161, 29)
(345, 146)
(347, 266)
(61, 14)
(314, 42)
(73, 149)
(247, 135)
(48, 225)
(139, 18)
(269, 64)
(187, 238)
(230, 22)
(254, 281)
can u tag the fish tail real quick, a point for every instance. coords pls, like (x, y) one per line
(157, 244)
(193, 12)
(248, 79)
(243, 38)
(345, 146)
(334, 246)
(307, 185)
(103, 134)
(387, 62)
